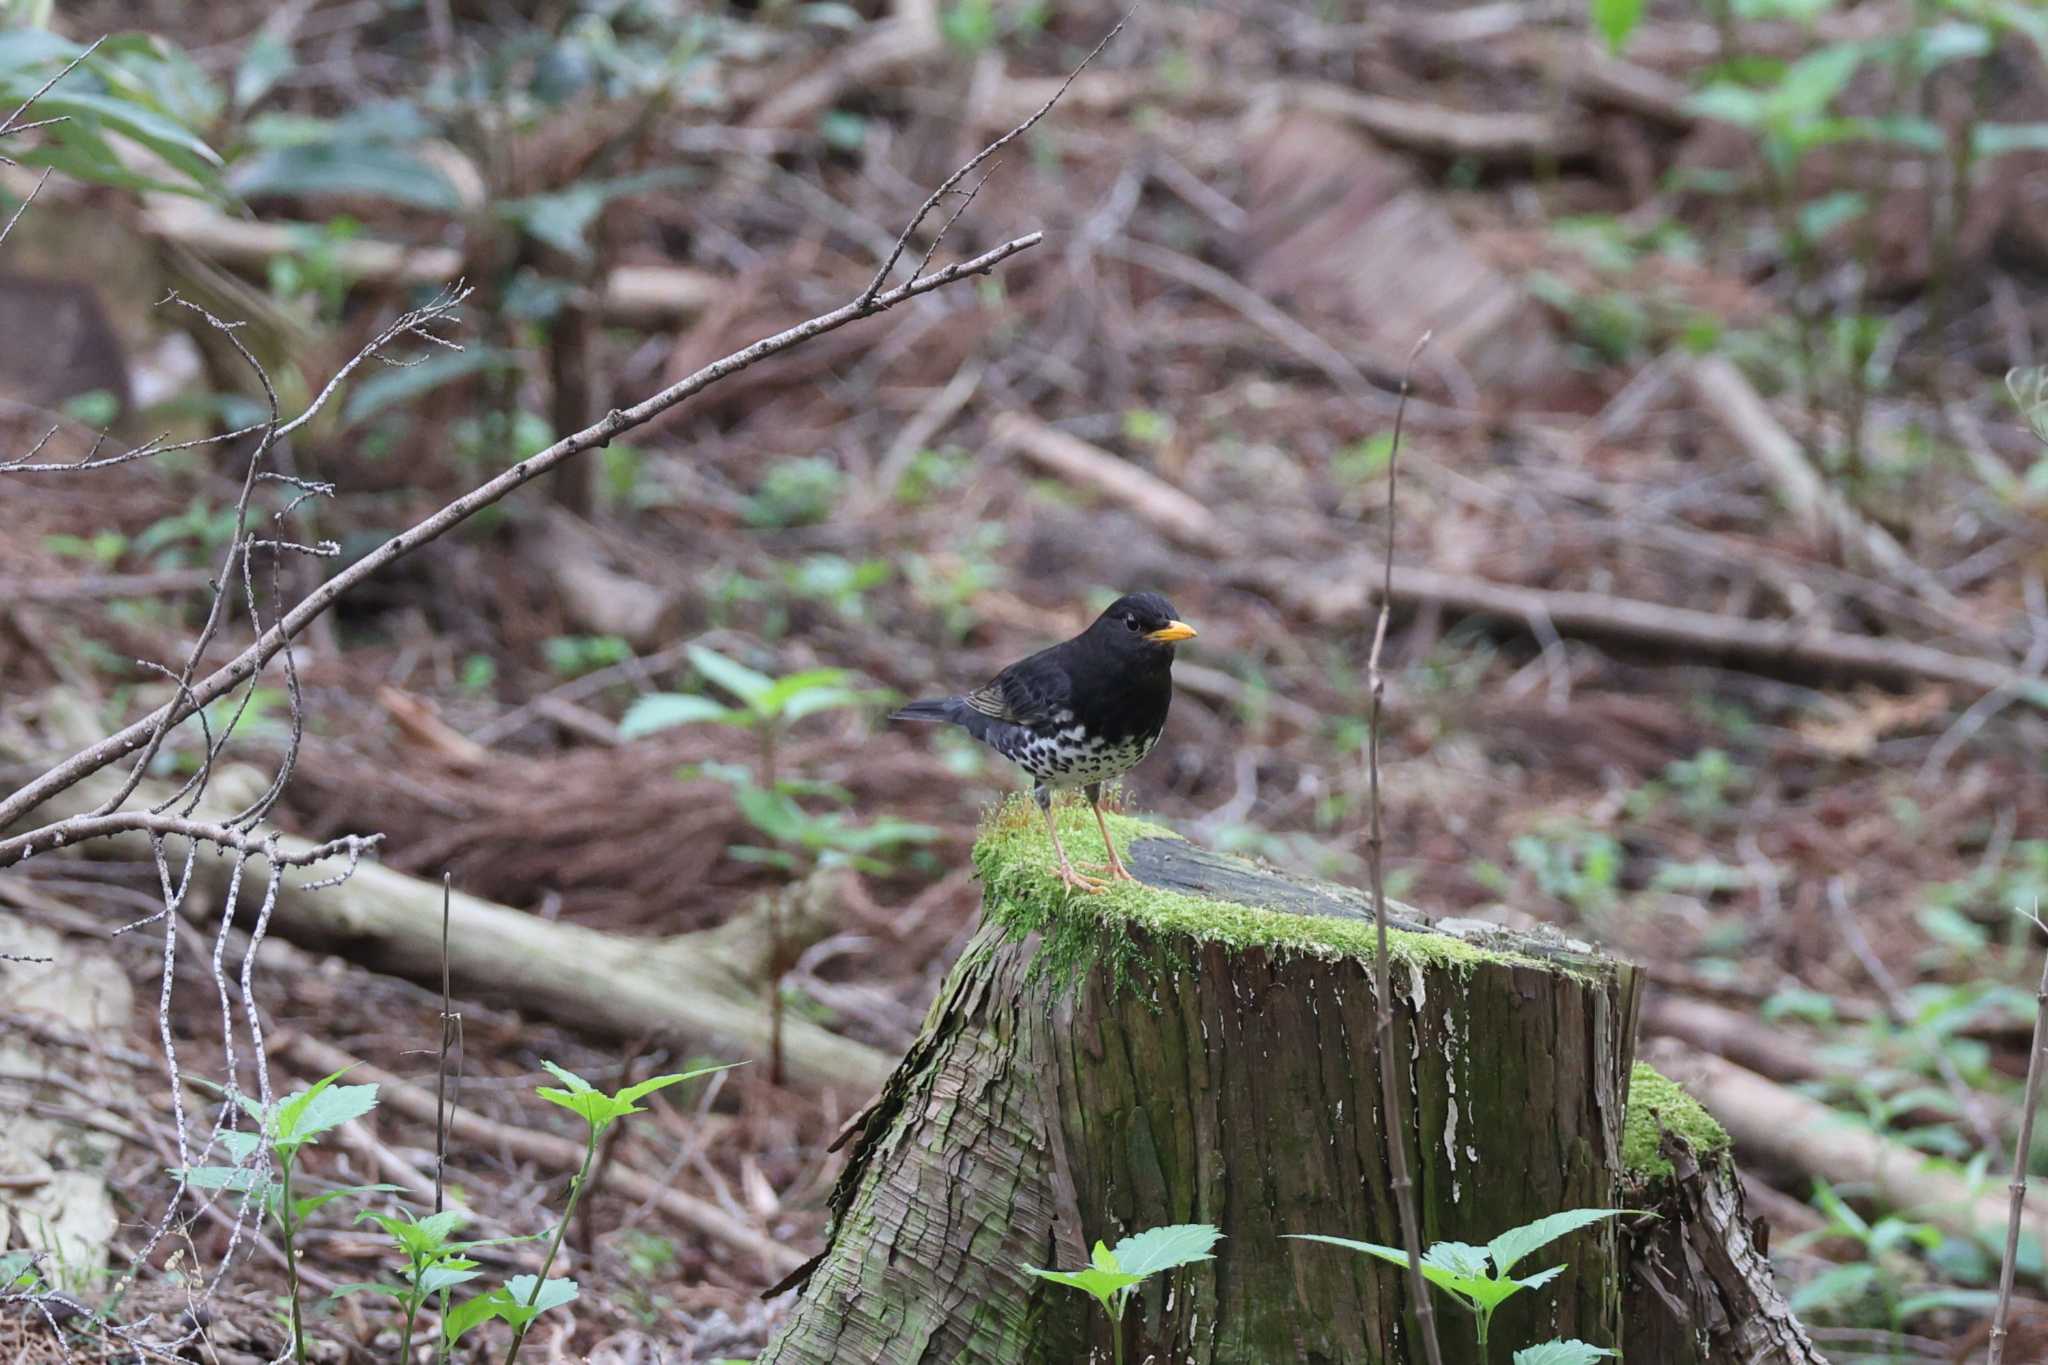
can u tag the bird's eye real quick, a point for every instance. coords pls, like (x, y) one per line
(1131, 623)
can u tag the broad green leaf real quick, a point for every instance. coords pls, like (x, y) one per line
(1459, 1258)
(826, 699)
(736, 678)
(550, 1294)
(774, 814)
(1102, 1258)
(1512, 1245)
(264, 62)
(596, 1109)
(469, 1313)
(633, 1094)
(1561, 1353)
(1540, 1278)
(403, 383)
(1616, 20)
(558, 219)
(176, 145)
(568, 1078)
(1837, 1286)
(1952, 41)
(1102, 1284)
(785, 690)
(1810, 84)
(241, 1179)
(241, 1145)
(1157, 1249)
(666, 710)
(303, 1118)
(389, 1291)
(1730, 103)
(436, 1278)
(369, 170)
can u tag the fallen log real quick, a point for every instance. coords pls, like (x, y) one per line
(702, 989)
(1200, 1049)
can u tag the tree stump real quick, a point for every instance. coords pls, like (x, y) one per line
(1199, 1049)
(1697, 1287)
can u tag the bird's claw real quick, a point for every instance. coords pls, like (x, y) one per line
(1116, 871)
(1081, 883)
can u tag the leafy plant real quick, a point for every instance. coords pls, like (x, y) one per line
(1113, 1276)
(799, 491)
(526, 1297)
(1481, 1279)
(768, 706)
(284, 1128)
(434, 1265)
(1561, 1353)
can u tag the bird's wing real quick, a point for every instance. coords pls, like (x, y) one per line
(1031, 692)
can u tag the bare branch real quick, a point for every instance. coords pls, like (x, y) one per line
(868, 299)
(266, 646)
(1389, 1056)
(79, 828)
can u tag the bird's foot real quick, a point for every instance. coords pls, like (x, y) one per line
(1114, 869)
(1079, 882)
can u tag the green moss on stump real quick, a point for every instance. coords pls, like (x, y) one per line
(1657, 1105)
(1015, 859)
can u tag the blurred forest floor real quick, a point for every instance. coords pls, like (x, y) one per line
(1692, 378)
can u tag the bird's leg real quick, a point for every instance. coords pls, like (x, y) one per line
(1116, 869)
(1067, 873)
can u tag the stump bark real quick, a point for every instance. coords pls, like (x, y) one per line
(1199, 1049)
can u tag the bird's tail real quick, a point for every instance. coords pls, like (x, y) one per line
(934, 709)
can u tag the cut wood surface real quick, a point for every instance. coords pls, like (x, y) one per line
(1200, 1049)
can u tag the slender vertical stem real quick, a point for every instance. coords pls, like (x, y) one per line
(291, 1256)
(2022, 1149)
(412, 1311)
(774, 906)
(441, 1065)
(555, 1243)
(1389, 1057)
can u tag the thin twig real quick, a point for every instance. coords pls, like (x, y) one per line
(1389, 1058)
(451, 1028)
(869, 297)
(2022, 1148)
(619, 421)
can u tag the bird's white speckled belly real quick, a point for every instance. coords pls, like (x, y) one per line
(1069, 758)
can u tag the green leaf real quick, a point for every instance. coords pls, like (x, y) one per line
(1459, 1258)
(177, 145)
(550, 1294)
(1163, 1248)
(470, 1313)
(241, 1145)
(309, 1113)
(1952, 41)
(558, 219)
(1616, 19)
(265, 61)
(370, 170)
(633, 1094)
(666, 710)
(436, 1278)
(1102, 1284)
(736, 678)
(402, 383)
(1512, 1245)
(241, 1179)
(568, 1078)
(1561, 1353)
(389, 1291)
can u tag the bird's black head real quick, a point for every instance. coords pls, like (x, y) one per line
(1143, 624)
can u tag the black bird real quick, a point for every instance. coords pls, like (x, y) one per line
(1079, 713)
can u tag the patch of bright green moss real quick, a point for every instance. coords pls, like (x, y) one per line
(1656, 1105)
(1018, 869)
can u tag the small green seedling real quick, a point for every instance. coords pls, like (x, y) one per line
(1115, 1275)
(434, 1265)
(1481, 1279)
(526, 1297)
(283, 1129)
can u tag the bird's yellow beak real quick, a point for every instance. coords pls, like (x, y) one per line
(1171, 631)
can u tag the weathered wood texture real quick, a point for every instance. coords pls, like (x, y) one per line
(1698, 1287)
(1233, 1085)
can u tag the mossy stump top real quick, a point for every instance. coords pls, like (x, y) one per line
(1199, 1048)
